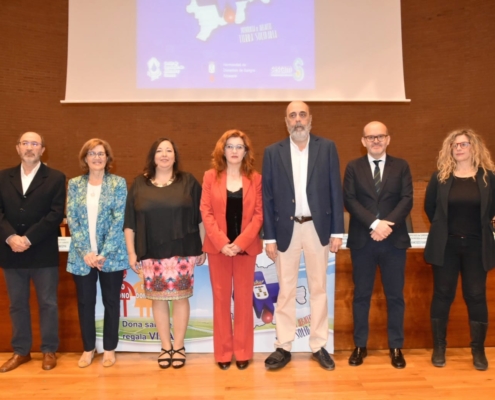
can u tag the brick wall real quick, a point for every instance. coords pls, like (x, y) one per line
(449, 59)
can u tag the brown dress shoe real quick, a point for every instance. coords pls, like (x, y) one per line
(49, 361)
(14, 362)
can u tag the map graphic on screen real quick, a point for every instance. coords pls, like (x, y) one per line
(225, 44)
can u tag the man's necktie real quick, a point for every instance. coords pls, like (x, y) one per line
(376, 177)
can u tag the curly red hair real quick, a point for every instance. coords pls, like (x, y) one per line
(218, 160)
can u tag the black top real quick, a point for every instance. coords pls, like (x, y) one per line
(464, 208)
(234, 214)
(164, 219)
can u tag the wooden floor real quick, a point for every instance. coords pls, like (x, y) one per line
(137, 376)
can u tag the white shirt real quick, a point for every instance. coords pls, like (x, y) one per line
(92, 200)
(381, 165)
(27, 179)
(299, 160)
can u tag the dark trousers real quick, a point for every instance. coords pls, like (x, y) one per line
(392, 266)
(110, 284)
(18, 287)
(461, 256)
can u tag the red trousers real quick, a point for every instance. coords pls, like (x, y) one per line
(239, 271)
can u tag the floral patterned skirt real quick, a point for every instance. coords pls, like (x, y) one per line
(168, 278)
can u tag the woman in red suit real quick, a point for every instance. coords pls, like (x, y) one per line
(232, 212)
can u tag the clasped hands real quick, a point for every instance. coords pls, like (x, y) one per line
(382, 230)
(18, 244)
(94, 261)
(231, 250)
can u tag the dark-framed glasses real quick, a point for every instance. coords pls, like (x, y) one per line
(232, 147)
(94, 154)
(372, 138)
(461, 145)
(26, 143)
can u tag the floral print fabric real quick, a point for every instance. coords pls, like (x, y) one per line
(168, 278)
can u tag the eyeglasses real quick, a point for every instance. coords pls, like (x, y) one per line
(93, 154)
(233, 147)
(462, 145)
(372, 138)
(25, 143)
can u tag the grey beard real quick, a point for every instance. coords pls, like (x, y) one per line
(299, 136)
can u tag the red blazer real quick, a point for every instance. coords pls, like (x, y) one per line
(213, 211)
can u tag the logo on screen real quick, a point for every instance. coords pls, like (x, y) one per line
(298, 73)
(154, 71)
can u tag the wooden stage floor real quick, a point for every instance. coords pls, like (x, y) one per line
(137, 376)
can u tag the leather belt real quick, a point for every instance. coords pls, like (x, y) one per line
(302, 220)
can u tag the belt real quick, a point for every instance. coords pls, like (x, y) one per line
(459, 236)
(302, 220)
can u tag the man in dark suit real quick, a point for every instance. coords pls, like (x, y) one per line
(303, 210)
(32, 198)
(378, 194)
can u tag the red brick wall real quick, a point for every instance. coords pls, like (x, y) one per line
(449, 64)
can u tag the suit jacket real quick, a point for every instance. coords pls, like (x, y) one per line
(109, 224)
(393, 203)
(213, 211)
(436, 208)
(36, 215)
(323, 190)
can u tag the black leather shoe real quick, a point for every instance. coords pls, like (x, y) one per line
(397, 358)
(224, 365)
(278, 359)
(242, 364)
(357, 356)
(324, 359)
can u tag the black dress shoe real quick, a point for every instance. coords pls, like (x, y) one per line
(278, 359)
(242, 364)
(357, 356)
(397, 358)
(224, 365)
(324, 359)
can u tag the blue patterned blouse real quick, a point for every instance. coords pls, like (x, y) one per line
(109, 224)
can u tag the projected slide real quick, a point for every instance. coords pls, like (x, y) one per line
(225, 44)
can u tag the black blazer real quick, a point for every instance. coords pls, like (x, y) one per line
(394, 202)
(324, 191)
(36, 215)
(436, 208)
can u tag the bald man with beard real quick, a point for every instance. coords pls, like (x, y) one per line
(303, 210)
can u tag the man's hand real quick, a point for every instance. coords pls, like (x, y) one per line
(382, 230)
(271, 251)
(18, 244)
(335, 244)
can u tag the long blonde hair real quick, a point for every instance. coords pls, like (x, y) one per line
(480, 155)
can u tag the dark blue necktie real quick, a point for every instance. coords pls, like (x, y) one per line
(376, 177)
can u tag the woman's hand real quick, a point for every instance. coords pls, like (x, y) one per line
(227, 251)
(235, 249)
(133, 263)
(200, 260)
(91, 260)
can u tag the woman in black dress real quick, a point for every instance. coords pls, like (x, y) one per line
(460, 203)
(162, 233)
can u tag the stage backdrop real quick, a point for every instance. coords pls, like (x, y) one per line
(137, 330)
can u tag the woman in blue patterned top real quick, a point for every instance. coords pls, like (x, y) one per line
(95, 214)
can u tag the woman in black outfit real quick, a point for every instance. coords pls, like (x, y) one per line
(162, 234)
(460, 203)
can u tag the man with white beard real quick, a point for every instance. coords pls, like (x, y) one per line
(303, 210)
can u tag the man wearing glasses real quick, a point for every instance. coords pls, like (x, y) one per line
(378, 194)
(303, 210)
(32, 198)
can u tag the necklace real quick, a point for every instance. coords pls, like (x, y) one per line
(169, 182)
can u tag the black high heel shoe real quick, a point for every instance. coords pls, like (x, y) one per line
(163, 362)
(180, 361)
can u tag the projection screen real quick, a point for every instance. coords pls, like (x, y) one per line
(234, 50)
